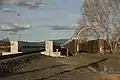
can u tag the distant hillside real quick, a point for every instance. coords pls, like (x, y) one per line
(59, 41)
(6, 39)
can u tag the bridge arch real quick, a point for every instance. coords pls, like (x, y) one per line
(96, 31)
(77, 35)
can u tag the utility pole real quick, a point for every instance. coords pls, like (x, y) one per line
(19, 35)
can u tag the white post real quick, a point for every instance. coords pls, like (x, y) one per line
(56, 50)
(77, 48)
(14, 46)
(67, 53)
(49, 47)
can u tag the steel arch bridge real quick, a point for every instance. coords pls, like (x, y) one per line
(76, 36)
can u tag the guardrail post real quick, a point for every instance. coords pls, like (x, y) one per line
(67, 53)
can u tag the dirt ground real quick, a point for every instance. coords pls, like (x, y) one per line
(67, 68)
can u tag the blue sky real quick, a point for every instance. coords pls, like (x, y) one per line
(61, 12)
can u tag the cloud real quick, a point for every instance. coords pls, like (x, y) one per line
(26, 3)
(15, 27)
(10, 1)
(8, 10)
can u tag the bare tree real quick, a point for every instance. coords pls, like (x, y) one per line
(104, 15)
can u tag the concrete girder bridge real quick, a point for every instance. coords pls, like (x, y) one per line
(75, 45)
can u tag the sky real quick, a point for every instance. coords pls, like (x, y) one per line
(60, 12)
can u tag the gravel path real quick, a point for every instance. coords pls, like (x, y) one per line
(48, 68)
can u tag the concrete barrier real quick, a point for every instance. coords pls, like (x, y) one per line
(9, 53)
(52, 54)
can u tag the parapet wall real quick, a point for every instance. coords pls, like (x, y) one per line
(30, 46)
(20, 46)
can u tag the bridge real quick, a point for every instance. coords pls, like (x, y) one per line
(76, 45)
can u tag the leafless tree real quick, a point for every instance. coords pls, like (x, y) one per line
(104, 15)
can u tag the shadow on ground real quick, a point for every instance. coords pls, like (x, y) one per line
(66, 71)
(24, 72)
